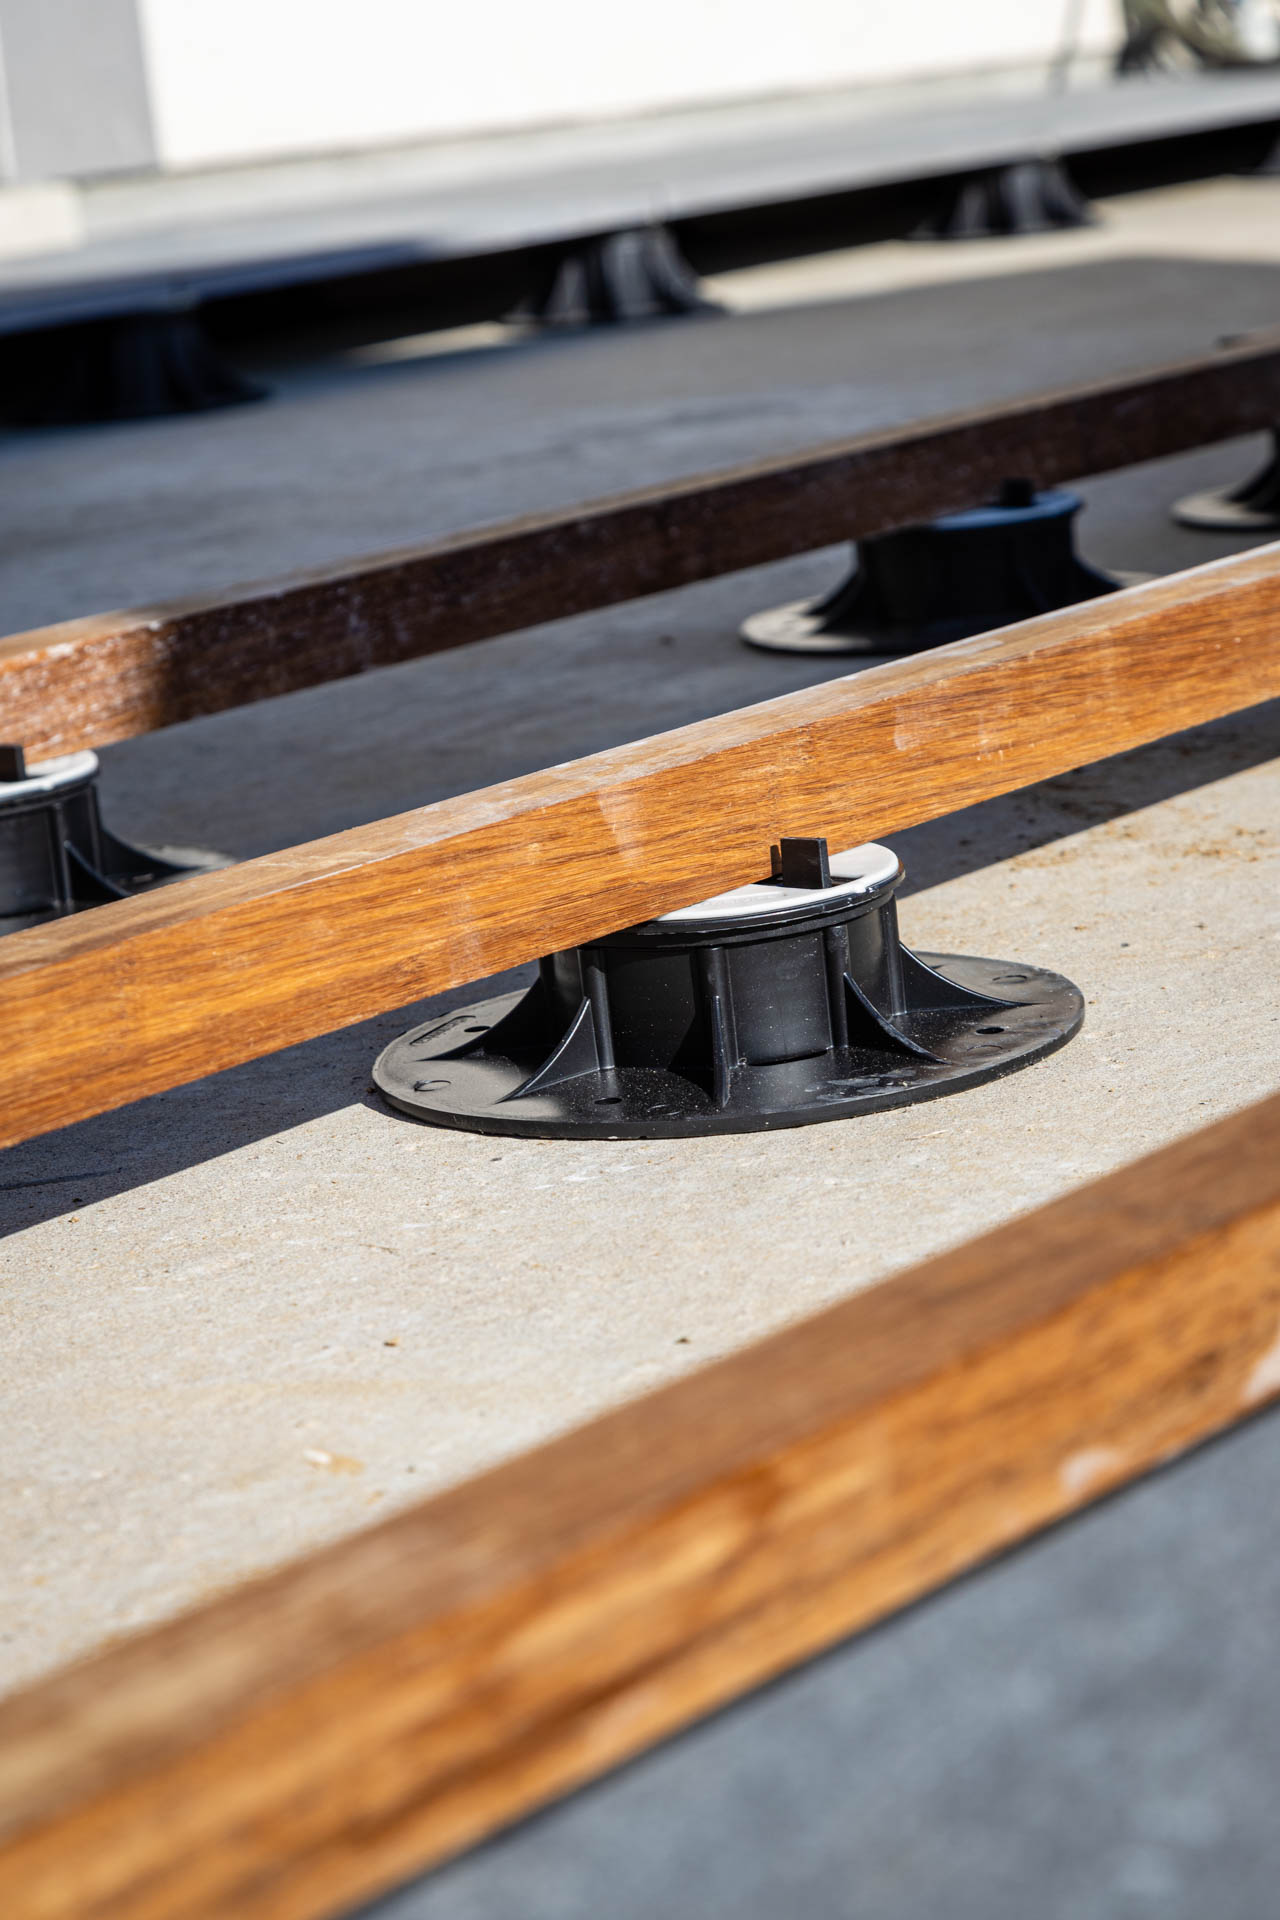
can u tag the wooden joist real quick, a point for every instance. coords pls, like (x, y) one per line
(312, 1737)
(94, 680)
(148, 993)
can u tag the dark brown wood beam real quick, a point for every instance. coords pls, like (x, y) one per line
(90, 681)
(112, 1005)
(311, 1738)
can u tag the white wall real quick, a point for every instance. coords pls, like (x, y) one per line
(73, 93)
(232, 79)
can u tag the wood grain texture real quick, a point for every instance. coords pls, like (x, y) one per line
(89, 681)
(312, 1737)
(144, 994)
(148, 993)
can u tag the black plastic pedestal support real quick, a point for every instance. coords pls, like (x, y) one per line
(963, 574)
(1253, 506)
(638, 274)
(131, 366)
(1026, 196)
(56, 857)
(784, 1002)
(1160, 38)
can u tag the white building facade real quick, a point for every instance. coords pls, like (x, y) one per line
(108, 86)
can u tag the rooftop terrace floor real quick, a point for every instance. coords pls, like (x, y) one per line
(259, 1312)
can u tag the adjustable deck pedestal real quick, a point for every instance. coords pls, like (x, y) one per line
(1251, 507)
(56, 857)
(133, 366)
(1027, 196)
(783, 1002)
(639, 274)
(965, 573)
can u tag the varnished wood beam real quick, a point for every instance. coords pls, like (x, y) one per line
(89, 681)
(313, 1737)
(147, 993)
